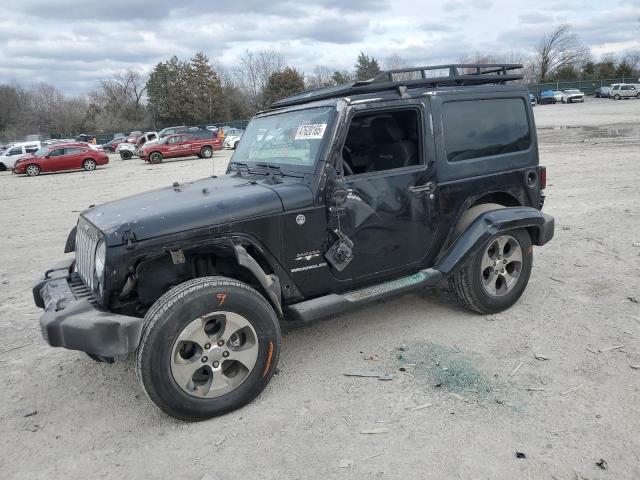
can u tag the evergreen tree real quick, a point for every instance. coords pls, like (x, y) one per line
(283, 84)
(366, 67)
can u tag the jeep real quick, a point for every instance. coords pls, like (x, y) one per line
(335, 198)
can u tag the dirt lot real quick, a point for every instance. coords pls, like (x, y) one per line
(65, 416)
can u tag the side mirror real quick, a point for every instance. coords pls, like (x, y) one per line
(46, 156)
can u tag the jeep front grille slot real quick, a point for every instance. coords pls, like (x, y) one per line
(87, 237)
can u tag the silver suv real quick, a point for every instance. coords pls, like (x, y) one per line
(624, 90)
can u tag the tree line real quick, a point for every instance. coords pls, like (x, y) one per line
(200, 91)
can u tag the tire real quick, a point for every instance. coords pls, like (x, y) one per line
(32, 170)
(196, 305)
(3, 167)
(616, 97)
(126, 154)
(89, 164)
(155, 157)
(206, 152)
(472, 286)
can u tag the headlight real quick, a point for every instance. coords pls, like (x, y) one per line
(101, 253)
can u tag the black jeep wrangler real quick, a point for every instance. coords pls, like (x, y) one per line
(334, 198)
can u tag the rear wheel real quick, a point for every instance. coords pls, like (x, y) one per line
(496, 276)
(155, 157)
(206, 152)
(616, 97)
(209, 346)
(32, 170)
(89, 164)
(3, 167)
(126, 154)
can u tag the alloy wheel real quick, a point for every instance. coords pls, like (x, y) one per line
(214, 354)
(501, 265)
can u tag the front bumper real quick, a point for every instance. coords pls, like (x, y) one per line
(72, 320)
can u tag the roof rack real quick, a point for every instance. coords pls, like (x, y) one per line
(458, 74)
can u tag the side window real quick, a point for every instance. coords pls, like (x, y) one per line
(31, 148)
(73, 151)
(382, 140)
(482, 128)
(57, 152)
(15, 151)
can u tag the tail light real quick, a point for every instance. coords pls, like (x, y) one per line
(543, 178)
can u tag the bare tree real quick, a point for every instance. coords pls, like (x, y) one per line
(394, 62)
(121, 97)
(254, 72)
(322, 76)
(559, 49)
(632, 58)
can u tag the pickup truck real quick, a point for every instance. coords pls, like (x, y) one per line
(181, 145)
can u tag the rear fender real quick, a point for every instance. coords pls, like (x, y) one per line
(539, 225)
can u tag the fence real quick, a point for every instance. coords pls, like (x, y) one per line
(587, 86)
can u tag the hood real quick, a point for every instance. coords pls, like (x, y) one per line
(203, 203)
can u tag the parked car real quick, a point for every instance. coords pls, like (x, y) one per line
(180, 145)
(128, 150)
(55, 158)
(172, 131)
(603, 92)
(113, 144)
(232, 139)
(624, 90)
(546, 97)
(572, 95)
(532, 99)
(14, 151)
(195, 278)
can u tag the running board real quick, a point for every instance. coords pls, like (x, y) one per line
(336, 303)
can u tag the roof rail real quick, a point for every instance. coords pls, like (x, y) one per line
(458, 74)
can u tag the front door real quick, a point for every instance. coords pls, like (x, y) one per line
(54, 160)
(390, 196)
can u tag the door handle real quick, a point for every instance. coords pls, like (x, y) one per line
(428, 187)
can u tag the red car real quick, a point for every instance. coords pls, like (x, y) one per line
(181, 145)
(54, 158)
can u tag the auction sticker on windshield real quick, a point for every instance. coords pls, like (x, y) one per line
(311, 132)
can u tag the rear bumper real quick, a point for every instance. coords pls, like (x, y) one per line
(546, 230)
(72, 320)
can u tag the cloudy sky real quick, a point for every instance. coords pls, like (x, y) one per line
(73, 44)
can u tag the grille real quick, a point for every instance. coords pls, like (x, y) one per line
(87, 237)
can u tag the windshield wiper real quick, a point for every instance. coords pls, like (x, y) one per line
(271, 174)
(238, 168)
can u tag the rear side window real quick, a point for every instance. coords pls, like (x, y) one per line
(482, 128)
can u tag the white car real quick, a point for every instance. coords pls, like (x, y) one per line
(128, 150)
(624, 90)
(231, 142)
(558, 95)
(572, 95)
(14, 151)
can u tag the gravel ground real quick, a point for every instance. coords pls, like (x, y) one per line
(484, 393)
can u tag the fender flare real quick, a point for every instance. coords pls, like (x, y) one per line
(486, 225)
(270, 283)
(70, 245)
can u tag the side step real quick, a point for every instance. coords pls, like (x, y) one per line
(337, 303)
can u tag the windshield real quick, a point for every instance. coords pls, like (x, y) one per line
(292, 138)
(163, 140)
(41, 152)
(572, 91)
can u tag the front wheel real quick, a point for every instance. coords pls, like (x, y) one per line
(155, 157)
(616, 97)
(89, 164)
(206, 152)
(496, 276)
(32, 170)
(209, 346)
(126, 154)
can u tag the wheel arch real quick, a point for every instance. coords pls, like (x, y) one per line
(241, 258)
(490, 222)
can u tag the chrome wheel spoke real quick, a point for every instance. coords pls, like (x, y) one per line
(247, 356)
(183, 373)
(233, 323)
(194, 332)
